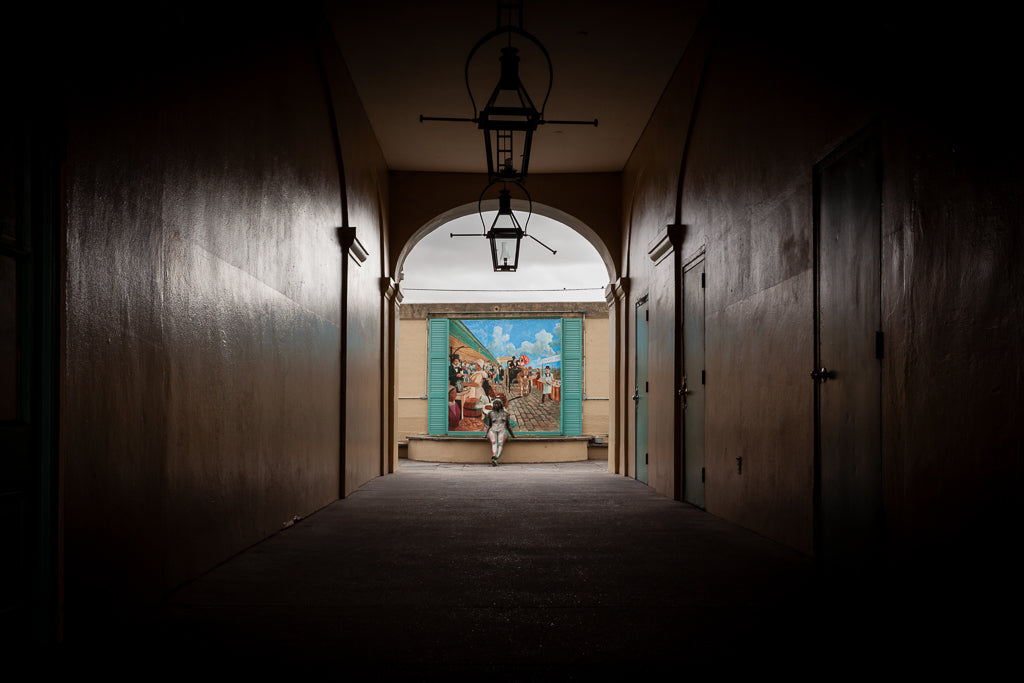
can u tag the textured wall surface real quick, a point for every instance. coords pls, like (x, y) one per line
(953, 302)
(746, 117)
(366, 183)
(201, 397)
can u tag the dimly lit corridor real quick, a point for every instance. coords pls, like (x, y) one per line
(810, 342)
(529, 572)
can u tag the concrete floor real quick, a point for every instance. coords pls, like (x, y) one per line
(520, 572)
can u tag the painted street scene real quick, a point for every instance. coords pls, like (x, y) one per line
(515, 361)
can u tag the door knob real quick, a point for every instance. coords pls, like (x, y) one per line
(823, 374)
(636, 394)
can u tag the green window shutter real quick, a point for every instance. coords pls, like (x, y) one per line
(437, 377)
(572, 376)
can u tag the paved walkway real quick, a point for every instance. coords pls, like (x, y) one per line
(520, 572)
(531, 414)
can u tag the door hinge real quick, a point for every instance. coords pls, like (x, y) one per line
(645, 459)
(647, 314)
(702, 475)
(703, 282)
(879, 345)
(703, 377)
(647, 387)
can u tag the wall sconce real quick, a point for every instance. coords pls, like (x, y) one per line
(509, 118)
(506, 233)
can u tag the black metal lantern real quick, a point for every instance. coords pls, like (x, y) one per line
(506, 232)
(505, 236)
(508, 121)
(509, 117)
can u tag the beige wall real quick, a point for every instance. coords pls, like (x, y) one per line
(412, 378)
(412, 361)
(596, 385)
(203, 301)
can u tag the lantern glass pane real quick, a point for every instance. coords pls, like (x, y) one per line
(505, 249)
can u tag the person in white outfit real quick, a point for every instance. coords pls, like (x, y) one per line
(547, 379)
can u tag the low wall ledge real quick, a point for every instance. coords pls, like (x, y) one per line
(479, 436)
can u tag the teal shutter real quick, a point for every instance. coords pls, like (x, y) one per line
(572, 376)
(437, 377)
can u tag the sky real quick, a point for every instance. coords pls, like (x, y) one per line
(538, 339)
(463, 264)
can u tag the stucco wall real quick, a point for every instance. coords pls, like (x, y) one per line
(367, 386)
(203, 297)
(756, 102)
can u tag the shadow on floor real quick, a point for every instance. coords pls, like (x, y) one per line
(520, 572)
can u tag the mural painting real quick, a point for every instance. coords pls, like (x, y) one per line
(516, 360)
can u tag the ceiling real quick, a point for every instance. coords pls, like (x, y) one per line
(408, 58)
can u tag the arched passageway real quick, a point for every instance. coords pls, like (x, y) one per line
(519, 206)
(551, 313)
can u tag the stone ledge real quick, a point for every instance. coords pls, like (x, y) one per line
(476, 449)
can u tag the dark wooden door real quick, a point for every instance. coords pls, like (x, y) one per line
(693, 383)
(847, 371)
(28, 352)
(640, 393)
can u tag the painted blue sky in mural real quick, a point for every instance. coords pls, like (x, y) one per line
(539, 339)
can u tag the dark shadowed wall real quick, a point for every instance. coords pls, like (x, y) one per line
(756, 102)
(204, 300)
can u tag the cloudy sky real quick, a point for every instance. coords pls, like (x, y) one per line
(442, 269)
(539, 340)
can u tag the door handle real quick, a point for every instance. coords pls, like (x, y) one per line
(823, 374)
(636, 394)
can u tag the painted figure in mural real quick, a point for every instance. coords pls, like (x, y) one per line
(499, 428)
(478, 381)
(454, 410)
(513, 372)
(455, 372)
(524, 377)
(547, 379)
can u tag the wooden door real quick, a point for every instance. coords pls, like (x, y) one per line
(847, 370)
(640, 392)
(693, 383)
(28, 351)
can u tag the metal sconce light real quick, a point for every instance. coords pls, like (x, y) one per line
(506, 233)
(509, 118)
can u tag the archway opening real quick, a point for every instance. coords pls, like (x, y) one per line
(535, 342)
(440, 268)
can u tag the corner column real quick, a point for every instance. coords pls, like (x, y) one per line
(391, 299)
(615, 295)
(352, 250)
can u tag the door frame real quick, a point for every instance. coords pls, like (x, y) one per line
(870, 134)
(644, 303)
(696, 259)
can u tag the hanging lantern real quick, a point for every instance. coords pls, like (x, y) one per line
(508, 121)
(506, 232)
(509, 117)
(505, 235)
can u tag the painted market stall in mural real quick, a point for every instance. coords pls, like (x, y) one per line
(534, 366)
